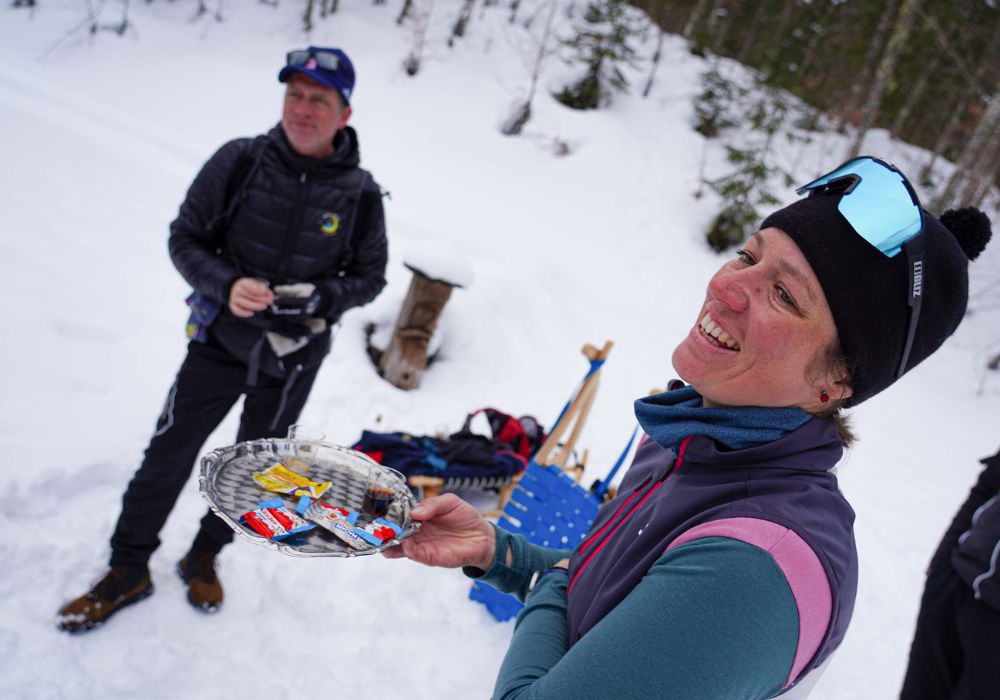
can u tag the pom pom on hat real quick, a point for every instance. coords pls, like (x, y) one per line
(970, 227)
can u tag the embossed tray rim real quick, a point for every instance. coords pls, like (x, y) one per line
(227, 460)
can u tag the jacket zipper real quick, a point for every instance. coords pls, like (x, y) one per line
(292, 230)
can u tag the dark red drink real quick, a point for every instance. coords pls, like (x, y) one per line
(377, 501)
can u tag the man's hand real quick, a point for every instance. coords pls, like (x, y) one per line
(247, 296)
(452, 534)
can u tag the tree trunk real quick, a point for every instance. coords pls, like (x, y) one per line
(721, 27)
(915, 95)
(981, 176)
(778, 33)
(655, 64)
(307, 18)
(886, 67)
(403, 13)
(514, 5)
(421, 20)
(977, 143)
(942, 143)
(750, 34)
(874, 49)
(405, 360)
(543, 52)
(694, 19)
(458, 29)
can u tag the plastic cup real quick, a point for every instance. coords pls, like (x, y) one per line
(306, 433)
(380, 492)
(306, 441)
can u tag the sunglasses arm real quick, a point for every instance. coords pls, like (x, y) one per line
(914, 249)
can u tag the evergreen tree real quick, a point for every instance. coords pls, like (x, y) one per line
(716, 106)
(747, 187)
(602, 44)
(742, 191)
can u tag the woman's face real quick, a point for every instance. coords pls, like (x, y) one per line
(762, 334)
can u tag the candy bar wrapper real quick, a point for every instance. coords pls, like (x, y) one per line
(275, 521)
(318, 512)
(281, 479)
(328, 518)
(379, 531)
(303, 505)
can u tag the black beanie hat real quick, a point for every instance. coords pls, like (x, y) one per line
(868, 292)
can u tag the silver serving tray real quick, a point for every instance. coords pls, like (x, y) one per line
(226, 482)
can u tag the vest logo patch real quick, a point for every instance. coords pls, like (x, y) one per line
(330, 224)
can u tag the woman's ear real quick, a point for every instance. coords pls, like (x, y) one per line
(842, 389)
(830, 395)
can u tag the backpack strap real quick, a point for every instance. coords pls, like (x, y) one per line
(238, 183)
(204, 310)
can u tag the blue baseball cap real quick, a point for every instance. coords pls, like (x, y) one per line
(327, 66)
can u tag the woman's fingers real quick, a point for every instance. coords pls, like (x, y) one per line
(437, 506)
(453, 534)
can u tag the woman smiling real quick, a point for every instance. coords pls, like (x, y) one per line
(726, 565)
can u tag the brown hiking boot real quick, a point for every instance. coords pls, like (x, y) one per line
(204, 589)
(121, 586)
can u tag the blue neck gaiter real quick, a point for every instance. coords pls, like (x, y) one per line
(671, 416)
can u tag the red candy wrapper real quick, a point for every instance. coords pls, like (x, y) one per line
(274, 521)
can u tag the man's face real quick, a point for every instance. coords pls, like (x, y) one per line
(312, 114)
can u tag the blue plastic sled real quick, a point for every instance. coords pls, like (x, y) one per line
(549, 508)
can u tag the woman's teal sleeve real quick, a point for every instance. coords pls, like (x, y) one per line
(525, 559)
(714, 618)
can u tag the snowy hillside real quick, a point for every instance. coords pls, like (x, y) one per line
(101, 137)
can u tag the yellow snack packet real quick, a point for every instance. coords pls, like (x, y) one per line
(281, 479)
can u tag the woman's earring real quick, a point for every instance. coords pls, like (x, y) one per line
(823, 397)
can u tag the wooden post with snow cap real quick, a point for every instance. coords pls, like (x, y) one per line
(437, 270)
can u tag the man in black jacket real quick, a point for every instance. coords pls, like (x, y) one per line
(278, 236)
(954, 648)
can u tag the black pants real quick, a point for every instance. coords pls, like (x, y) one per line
(954, 650)
(208, 383)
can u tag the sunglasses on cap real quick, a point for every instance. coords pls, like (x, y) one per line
(877, 200)
(882, 207)
(325, 60)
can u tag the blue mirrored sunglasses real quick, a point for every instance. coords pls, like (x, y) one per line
(881, 206)
(324, 59)
(877, 200)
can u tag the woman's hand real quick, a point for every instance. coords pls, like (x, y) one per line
(452, 534)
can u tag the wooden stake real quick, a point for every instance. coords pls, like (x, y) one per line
(405, 360)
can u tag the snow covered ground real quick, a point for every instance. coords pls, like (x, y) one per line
(102, 135)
